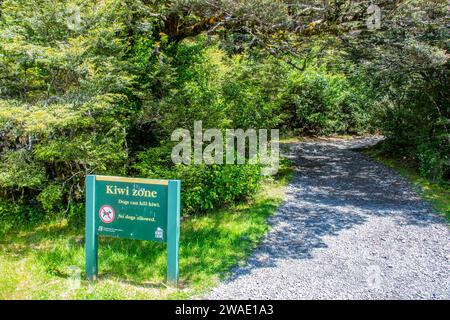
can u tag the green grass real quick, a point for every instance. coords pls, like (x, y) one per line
(437, 193)
(42, 262)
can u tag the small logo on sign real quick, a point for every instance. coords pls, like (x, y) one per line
(106, 214)
(159, 233)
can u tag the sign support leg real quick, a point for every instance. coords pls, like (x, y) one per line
(91, 235)
(173, 231)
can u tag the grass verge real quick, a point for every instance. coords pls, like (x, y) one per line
(437, 193)
(47, 261)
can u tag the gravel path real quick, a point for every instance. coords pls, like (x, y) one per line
(349, 229)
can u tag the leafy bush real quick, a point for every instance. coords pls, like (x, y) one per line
(50, 198)
(13, 215)
(432, 163)
(204, 187)
(415, 109)
(20, 171)
(323, 103)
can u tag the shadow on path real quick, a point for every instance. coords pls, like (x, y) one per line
(334, 189)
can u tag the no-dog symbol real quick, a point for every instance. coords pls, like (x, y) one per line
(106, 214)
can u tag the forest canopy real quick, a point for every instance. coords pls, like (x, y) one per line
(97, 87)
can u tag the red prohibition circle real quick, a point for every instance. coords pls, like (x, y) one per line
(106, 214)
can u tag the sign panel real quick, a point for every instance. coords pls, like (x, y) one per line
(134, 208)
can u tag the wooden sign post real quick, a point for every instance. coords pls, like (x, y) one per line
(134, 208)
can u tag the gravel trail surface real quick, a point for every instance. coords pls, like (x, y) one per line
(350, 228)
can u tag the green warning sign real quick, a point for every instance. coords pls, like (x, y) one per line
(134, 208)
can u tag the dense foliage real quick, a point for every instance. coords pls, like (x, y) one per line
(98, 87)
(408, 66)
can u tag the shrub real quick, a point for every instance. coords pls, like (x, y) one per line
(13, 215)
(50, 198)
(432, 163)
(323, 103)
(204, 187)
